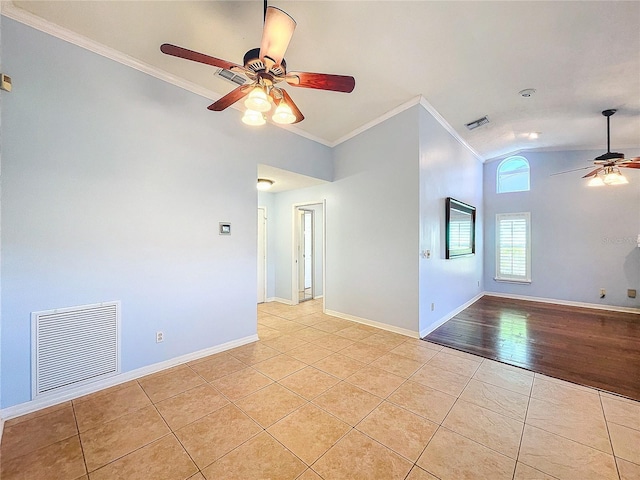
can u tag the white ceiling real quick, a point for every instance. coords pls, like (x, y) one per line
(468, 59)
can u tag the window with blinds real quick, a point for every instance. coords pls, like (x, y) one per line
(513, 247)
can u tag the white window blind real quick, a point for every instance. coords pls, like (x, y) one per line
(513, 247)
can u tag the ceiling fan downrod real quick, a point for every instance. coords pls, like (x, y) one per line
(606, 113)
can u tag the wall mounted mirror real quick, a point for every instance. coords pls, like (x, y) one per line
(460, 229)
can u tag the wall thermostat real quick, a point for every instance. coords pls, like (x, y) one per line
(225, 228)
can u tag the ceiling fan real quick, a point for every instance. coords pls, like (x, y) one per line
(608, 164)
(266, 68)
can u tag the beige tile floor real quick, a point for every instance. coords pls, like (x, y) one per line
(322, 398)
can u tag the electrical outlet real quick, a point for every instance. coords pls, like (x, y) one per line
(631, 293)
(603, 293)
(433, 307)
(159, 337)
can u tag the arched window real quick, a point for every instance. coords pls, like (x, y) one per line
(513, 175)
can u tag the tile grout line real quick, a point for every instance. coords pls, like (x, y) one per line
(84, 458)
(524, 426)
(613, 452)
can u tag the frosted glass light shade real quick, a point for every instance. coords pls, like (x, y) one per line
(258, 100)
(283, 114)
(596, 182)
(253, 118)
(276, 35)
(615, 178)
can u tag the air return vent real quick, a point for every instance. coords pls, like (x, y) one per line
(477, 123)
(74, 346)
(232, 77)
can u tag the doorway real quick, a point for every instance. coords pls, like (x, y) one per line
(262, 254)
(305, 254)
(308, 251)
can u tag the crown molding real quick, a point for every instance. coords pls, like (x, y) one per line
(447, 126)
(33, 21)
(376, 121)
(418, 100)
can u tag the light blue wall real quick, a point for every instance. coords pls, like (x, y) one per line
(372, 224)
(447, 169)
(113, 184)
(583, 238)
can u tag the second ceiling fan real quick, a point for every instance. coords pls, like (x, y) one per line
(266, 68)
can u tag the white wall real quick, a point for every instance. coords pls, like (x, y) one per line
(583, 238)
(318, 240)
(447, 169)
(372, 224)
(113, 184)
(266, 200)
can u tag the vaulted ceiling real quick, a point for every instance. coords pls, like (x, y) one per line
(468, 59)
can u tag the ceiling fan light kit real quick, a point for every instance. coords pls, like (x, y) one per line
(265, 67)
(607, 171)
(609, 163)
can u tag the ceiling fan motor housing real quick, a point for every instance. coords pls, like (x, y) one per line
(253, 62)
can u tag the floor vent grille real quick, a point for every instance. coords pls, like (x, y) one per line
(73, 346)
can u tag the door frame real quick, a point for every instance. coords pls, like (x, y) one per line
(266, 251)
(294, 253)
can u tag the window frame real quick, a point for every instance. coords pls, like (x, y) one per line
(526, 278)
(505, 162)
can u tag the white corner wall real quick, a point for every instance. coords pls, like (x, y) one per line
(372, 224)
(447, 169)
(113, 184)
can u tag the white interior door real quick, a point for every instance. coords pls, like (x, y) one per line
(262, 254)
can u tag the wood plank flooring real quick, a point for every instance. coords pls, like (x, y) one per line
(590, 347)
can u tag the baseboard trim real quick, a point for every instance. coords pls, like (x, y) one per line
(286, 301)
(611, 308)
(372, 323)
(449, 316)
(40, 403)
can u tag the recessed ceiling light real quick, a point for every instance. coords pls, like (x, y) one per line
(527, 92)
(534, 135)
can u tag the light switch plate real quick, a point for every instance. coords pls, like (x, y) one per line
(225, 228)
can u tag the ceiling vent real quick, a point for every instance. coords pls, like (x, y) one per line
(232, 77)
(477, 123)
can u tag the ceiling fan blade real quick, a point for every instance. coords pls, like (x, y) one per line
(630, 164)
(322, 81)
(593, 173)
(196, 56)
(569, 171)
(276, 34)
(294, 108)
(229, 99)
